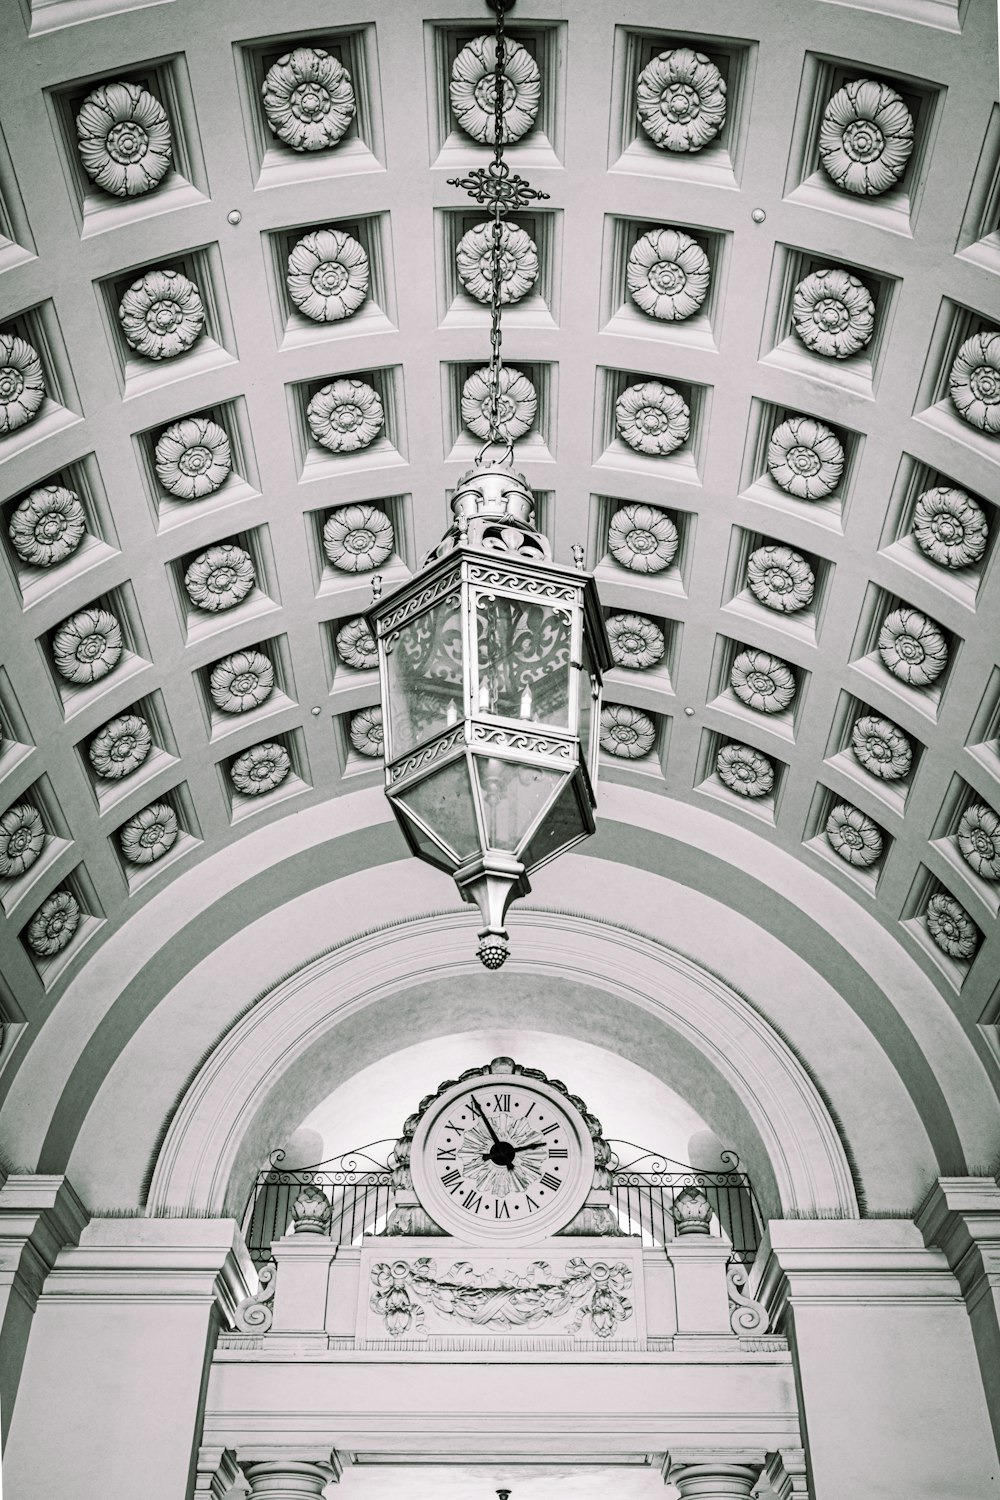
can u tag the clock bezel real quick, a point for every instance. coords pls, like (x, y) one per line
(442, 1207)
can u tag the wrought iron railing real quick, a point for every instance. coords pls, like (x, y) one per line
(645, 1187)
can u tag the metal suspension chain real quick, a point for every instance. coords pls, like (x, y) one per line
(500, 171)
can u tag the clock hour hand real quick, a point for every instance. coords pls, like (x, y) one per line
(530, 1146)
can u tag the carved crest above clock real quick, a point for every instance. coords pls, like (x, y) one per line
(502, 1155)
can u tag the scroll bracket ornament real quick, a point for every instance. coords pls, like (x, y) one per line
(255, 1314)
(746, 1316)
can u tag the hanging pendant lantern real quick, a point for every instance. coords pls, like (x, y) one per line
(491, 660)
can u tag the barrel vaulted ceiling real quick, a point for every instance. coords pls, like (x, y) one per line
(818, 357)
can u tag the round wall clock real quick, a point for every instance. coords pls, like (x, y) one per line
(500, 1158)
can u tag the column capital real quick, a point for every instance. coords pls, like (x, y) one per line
(289, 1473)
(711, 1474)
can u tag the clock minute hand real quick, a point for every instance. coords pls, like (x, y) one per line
(529, 1146)
(482, 1116)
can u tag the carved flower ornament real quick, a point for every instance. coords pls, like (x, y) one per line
(260, 769)
(949, 527)
(22, 388)
(220, 577)
(52, 927)
(781, 578)
(652, 418)
(866, 137)
(852, 834)
(762, 681)
(148, 835)
(366, 732)
(327, 275)
(87, 646)
(241, 682)
(120, 747)
(517, 406)
(123, 135)
(473, 89)
(627, 733)
(356, 646)
(744, 770)
(804, 458)
(357, 538)
(636, 641)
(881, 748)
(912, 647)
(667, 274)
(979, 840)
(161, 314)
(951, 927)
(345, 415)
(518, 262)
(47, 526)
(22, 839)
(974, 382)
(681, 100)
(833, 313)
(193, 458)
(308, 99)
(642, 539)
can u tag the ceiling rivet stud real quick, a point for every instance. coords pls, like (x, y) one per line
(689, 713)
(758, 215)
(316, 712)
(234, 216)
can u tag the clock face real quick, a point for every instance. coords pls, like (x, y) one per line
(502, 1158)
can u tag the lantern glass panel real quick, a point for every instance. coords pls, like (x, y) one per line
(424, 676)
(563, 825)
(585, 729)
(513, 795)
(524, 655)
(444, 802)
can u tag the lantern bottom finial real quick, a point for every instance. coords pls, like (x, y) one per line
(492, 880)
(493, 949)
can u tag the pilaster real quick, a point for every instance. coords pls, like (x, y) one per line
(786, 1473)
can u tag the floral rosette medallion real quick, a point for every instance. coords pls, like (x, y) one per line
(123, 136)
(951, 927)
(148, 835)
(652, 418)
(881, 748)
(516, 408)
(744, 770)
(161, 314)
(804, 458)
(912, 647)
(357, 538)
(852, 834)
(260, 769)
(637, 642)
(47, 526)
(327, 275)
(518, 262)
(626, 733)
(87, 646)
(473, 90)
(667, 274)
(642, 539)
(22, 387)
(367, 735)
(865, 137)
(52, 927)
(974, 382)
(345, 416)
(356, 646)
(833, 313)
(308, 99)
(241, 682)
(120, 747)
(22, 839)
(780, 578)
(978, 840)
(193, 458)
(680, 97)
(220, 577)
(950, 528)
(762, 681)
